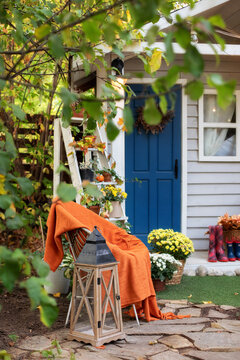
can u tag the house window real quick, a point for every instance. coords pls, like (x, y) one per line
(219, 130)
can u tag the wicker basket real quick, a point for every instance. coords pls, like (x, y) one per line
(177, 277)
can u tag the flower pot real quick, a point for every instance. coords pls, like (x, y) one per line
(177, 277)
(158, 285)
(95, 209)
(107, 176)
(116, 211)
(87, 174)
(58, 282)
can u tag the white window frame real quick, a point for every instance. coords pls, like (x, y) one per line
(203, 125)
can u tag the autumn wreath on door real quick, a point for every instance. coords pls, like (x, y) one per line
(141, 124)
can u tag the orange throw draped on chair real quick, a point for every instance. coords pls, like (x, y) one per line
(134, 263)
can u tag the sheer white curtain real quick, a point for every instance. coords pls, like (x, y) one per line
(214, 137)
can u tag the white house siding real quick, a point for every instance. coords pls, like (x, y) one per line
(213, 188)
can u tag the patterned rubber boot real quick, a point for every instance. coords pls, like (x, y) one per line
(219, 244)
(230, 251)
(236, 247)
(212, 251)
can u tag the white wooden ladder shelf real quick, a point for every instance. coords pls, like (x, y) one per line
(72, 158)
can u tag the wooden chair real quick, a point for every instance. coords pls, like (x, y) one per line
(76, 239)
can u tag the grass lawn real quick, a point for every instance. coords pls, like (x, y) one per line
(222, 290)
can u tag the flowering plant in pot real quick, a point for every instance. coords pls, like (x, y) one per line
(163, 266)
(112, 193)
(114, 196)
(170, 242)
(91, 201)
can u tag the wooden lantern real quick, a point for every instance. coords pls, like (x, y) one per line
(96, 290)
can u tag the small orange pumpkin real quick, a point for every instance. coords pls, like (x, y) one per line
(100, 178)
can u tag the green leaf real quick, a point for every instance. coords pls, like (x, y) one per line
(151, 114)
(4, 162)
(163, 104)
(2, 84)
(26, 185)
(193, 61)
(225, 89)
(33, 285)
(93, 190)
(92, 30)
(109, 33)
(183, 37)
(67, 96)
(9, 269)
(40, 266)
(5, 201)
(112, 130)
(10, 146)
(91, 123)
(2, 64)
(128, 119)
(62, 168)
(56, 46)
(220, 41)
(66, 192)
(15, 223)
(18, 112)
(217, 20)
(42, 31)
(169, 54)
(93, 108)
(156, 60)
(194, 89)
(152, 34)
(48, 314)
(172, 76)
(66, 115)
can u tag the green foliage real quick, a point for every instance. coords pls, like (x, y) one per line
(16, 264)
(225, 90)
(152, 116)
(66, 192)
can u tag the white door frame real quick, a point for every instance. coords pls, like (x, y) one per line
(118, 148)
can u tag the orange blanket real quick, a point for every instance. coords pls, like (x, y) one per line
(134, 263)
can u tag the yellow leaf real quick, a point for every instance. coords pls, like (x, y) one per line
(2, 181)
(156, 60)
(57, 295)
(207, 302)
(2, 216)
(42, 127)
(153, 342)
(190, 296)
(12, 206)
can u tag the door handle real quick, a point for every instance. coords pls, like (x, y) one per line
(176, 169)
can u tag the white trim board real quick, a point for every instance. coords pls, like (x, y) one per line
(204, 49)
(199, 7)
(183, 147)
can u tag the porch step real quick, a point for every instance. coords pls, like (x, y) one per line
(200, 258)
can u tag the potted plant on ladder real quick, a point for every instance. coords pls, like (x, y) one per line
(87, 167)
(116, 196)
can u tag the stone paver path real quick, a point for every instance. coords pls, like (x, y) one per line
(210, 334)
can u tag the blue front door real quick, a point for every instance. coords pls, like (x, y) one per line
(153, 174)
